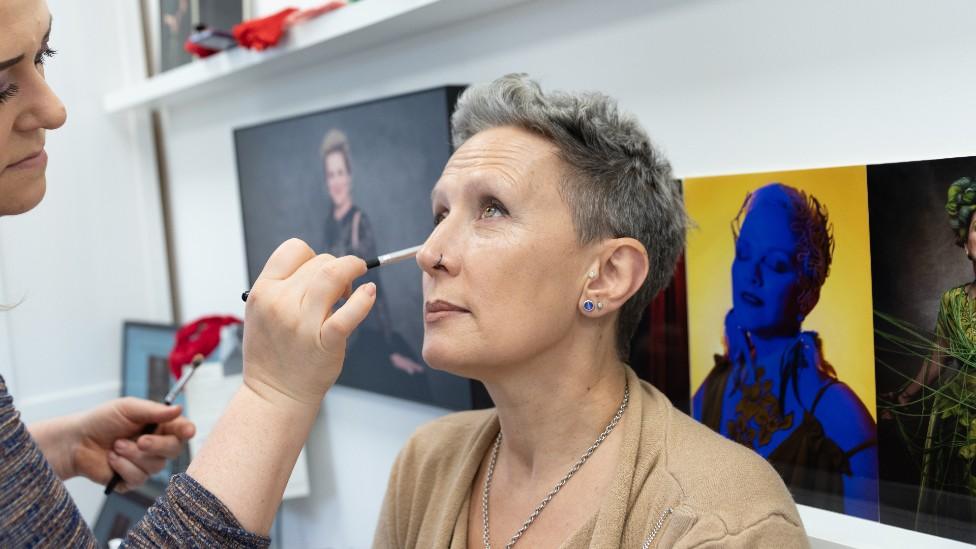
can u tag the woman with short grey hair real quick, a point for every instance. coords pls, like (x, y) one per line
(556, 222)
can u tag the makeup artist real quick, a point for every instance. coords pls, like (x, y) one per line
(556, 222)
(293, 351)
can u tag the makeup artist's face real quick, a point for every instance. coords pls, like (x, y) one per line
(28, 107)
(512, 270)
(338, 178)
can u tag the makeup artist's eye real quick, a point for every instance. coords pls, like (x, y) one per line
(45, 52)
(492, 208)
(7, 93)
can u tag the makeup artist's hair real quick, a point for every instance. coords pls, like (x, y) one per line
(619, 184)
(335, 141)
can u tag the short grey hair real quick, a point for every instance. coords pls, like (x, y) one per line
(619, 184)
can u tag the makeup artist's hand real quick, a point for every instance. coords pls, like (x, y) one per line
(96, 443)
(294, 344)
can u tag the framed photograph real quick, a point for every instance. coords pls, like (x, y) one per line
(659, 348)
(145, 374)
(119, 514)
(357, 180)
(779, 311)
(922, 258)
(170, 22)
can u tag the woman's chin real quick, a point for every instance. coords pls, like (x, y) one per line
(448, 358)
(21, 196)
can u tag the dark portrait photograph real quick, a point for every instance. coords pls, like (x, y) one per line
(356, 181)
(659, 348)
(923, 260)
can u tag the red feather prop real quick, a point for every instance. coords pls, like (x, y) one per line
(201, 337)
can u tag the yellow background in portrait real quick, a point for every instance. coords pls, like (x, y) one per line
(843, 316)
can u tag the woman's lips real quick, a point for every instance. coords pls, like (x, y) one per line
(36, 160)
(439, 309)
(751, 299)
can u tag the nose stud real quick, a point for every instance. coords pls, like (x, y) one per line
(591, 275)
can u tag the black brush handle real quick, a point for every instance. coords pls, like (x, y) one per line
(371, 263)
(149, 429)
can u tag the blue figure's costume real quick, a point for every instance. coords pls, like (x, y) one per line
(810, 462)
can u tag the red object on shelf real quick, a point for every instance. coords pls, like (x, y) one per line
(258, 34)
(198, 50)
(201, 337)
(265, 32)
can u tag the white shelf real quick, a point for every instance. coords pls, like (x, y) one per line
(349, 29)
(830, 530)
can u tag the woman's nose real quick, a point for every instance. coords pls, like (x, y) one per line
(46, 111)
(427, 258)
(437, 252)
(757, 279)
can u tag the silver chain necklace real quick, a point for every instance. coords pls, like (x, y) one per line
(486, 537)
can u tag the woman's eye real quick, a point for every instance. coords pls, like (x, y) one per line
(46, 52)
(7, 93)
(438, 217)
(779, 265)
(493, 209)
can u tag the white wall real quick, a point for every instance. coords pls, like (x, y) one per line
(725, 87)
(92, 254)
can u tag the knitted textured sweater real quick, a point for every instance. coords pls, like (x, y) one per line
(677, 484)
(37, 511)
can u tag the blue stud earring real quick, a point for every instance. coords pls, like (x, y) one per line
(588, 306)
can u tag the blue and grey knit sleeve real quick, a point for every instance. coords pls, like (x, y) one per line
(35, 508)
(188, 515)
(37, 511)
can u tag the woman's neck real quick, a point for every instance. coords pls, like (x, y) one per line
(551, 411)
(340, 210)
(769, 350)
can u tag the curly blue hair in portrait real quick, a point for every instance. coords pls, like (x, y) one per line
(773, 390)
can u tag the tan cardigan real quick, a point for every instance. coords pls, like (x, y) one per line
(705, 491)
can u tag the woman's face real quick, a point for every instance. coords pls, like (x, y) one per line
(512, 272)
(337, 178)
(765, 275)
(28, 107)
(971, 240)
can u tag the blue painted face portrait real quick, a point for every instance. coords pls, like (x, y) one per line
(773, 390)
(766, 279)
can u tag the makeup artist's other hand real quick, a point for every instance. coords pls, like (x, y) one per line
(97, 443)
(294, 344)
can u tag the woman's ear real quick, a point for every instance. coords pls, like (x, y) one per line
(621, 272)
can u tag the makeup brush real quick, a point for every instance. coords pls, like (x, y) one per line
(150, 428)
(378, 261)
